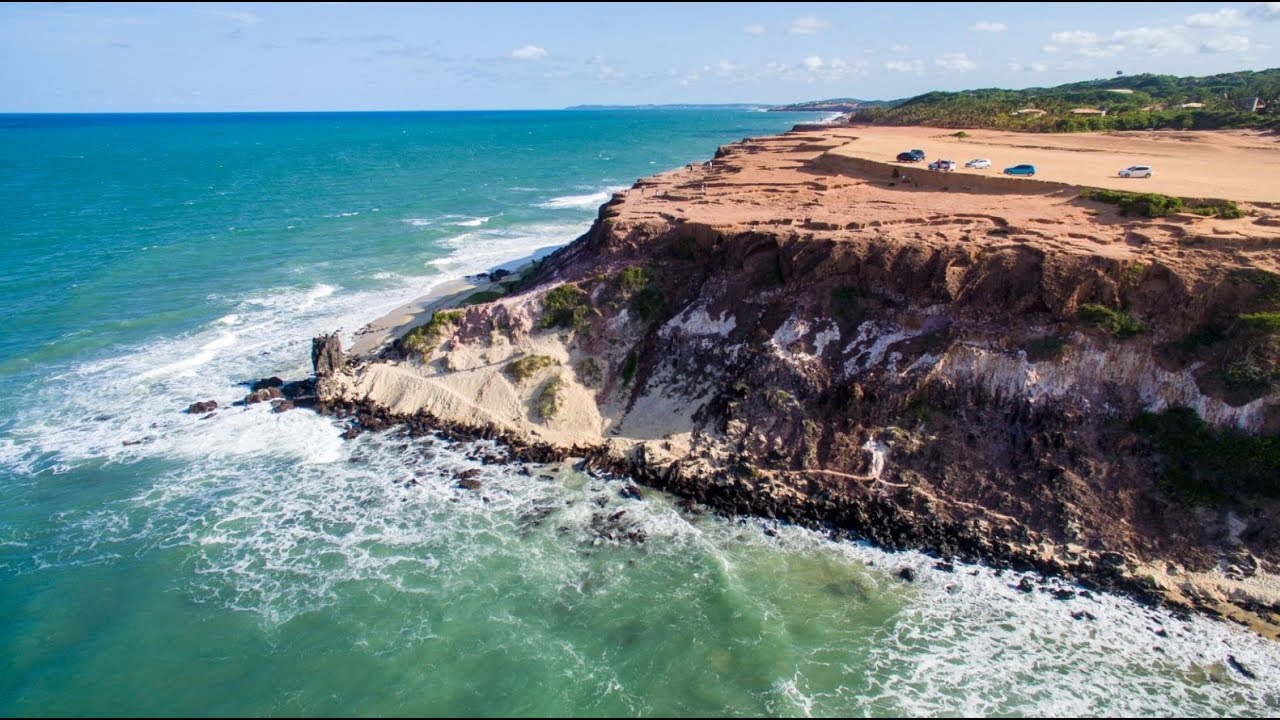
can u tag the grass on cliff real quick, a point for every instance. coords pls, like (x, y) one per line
(482, 297)
(551, 399)
(1207, 465)
(639, 289)
(566, 306)
(424, 338)
(1113, 322)
(1155, 205)
(527, 366)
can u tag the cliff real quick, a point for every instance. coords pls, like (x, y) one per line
(982, 367)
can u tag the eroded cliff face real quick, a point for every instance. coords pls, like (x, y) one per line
(958, 364)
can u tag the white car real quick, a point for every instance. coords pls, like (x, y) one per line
(1136, 171)
(978, 164)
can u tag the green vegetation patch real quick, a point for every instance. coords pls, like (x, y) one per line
(1049, 347)
(482, 297)
(1113, 322)
(629, 367)
(777, 398)
(1203, 464)
(1155, 205)
(525, 367)
(551, 398)
(1152, 205)
(1267, 283)
(566, 306)
(425, 338)
(1260, 323)
(634, 278)
(649, 304)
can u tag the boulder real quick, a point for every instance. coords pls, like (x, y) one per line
(907, 574)
(263, 395)
(280, 406)
(264, 383)
(202, 407)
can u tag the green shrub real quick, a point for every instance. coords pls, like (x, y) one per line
(633, 278)
(649, 304)
(1227, 210)
(1260, 323)
(1203, 464)
(525, 367)
(1118, 324)
(852, 305)
(961, 135)
(482, 297)
(1152, 205)
(566, 307)
(629, 367)
(424, 338)
(551, 399)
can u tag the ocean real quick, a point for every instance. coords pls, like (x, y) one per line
(152, 562)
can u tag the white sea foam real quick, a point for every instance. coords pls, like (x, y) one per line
(474, 222)
(587, 201)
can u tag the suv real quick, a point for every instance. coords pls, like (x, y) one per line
(1136, 171)
(1020, 170)
(946, 165)
(911, 156)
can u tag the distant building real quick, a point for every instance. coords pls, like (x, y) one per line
(1030, 111)
(1191, 105)
(1122, 91)
(1088, 111)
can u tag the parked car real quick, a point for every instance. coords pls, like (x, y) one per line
(911, 156)
(978, 164)
(917, 153)
(1020, 170)
(1136, 171)
(945, 165)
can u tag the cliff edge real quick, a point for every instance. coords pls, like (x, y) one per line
(987, 368)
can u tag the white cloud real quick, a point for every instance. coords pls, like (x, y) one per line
(813, 62)
(1157, 41)
(753, 29)
(1266, 11)
(988, 26)
(243, 19)
(808, 25)
(1028, 67)
(528, 52)
(1151, 40)
(1074, 37)
(904, 66)
(724, 67)
(899, 48)
(1224, 18)
(1226, 44)
(958, 62)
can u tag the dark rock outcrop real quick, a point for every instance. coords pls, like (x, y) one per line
(326, 355)
(202, 407)
(263, 395)
(264, 383)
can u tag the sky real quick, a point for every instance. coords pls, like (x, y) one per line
(198, 57)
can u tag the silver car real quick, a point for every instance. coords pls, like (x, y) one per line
(978, 164)
(1136, 171)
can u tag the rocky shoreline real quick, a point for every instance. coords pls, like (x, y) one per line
(984, 369)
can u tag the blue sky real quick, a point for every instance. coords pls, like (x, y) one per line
(348, 56)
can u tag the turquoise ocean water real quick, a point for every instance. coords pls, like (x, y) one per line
(155, 563)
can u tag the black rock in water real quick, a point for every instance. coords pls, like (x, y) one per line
(264, 383)
(907, 574)
(199, 408)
